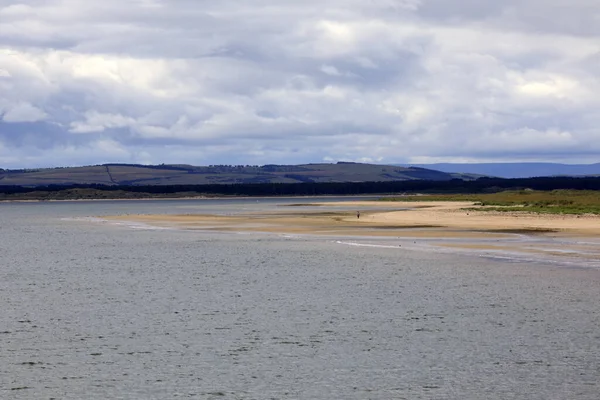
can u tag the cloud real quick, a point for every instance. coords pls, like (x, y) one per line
(261, 82)
(23, 112)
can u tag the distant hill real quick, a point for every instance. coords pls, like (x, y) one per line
(175, 174)
(517, 170)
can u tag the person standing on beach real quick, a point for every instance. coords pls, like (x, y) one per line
(358, 214)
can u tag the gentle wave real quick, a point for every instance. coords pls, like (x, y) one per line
(128, 224)
(514, 256)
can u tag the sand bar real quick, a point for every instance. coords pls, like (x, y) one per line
(442, 219)
(456, 225)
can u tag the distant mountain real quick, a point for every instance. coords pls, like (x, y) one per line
(516, 170)
(175, 174)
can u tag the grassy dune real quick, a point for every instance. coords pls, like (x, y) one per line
(552, 202)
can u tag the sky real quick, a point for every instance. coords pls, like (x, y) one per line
(202, 82)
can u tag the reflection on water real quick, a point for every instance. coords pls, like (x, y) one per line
(98, 311)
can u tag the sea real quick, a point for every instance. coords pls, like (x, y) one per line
(92, 309)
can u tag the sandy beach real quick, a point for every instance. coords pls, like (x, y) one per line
(452, 225)
(432, 219)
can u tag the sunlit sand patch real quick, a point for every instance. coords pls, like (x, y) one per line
(431, 221)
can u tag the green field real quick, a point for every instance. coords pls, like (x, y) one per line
(550, 202)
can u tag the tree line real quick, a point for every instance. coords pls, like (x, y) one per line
(481, 185)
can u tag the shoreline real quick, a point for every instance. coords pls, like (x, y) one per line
(188, 198)
(95, 200)
(396, 217)
(443, 225)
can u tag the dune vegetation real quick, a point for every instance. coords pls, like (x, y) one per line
(548, 202)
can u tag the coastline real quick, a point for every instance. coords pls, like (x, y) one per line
(184, 198)
(392, 218)
(96, 199)
(442, 225)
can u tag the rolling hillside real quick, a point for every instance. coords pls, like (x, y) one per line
(170, 174)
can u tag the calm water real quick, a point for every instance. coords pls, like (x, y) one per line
(99, 311)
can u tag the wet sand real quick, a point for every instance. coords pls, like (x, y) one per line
(450, 225)
(429, 219)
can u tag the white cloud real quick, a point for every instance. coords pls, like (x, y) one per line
(23, 112)
(266, 81)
